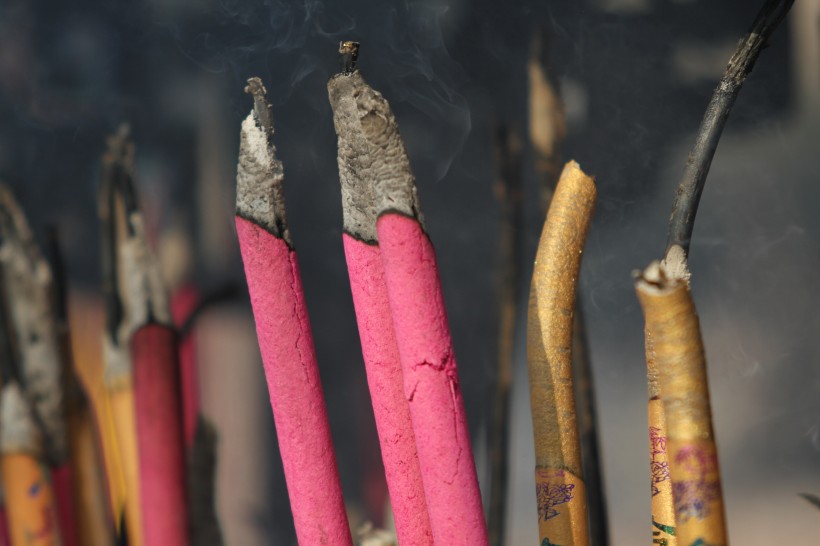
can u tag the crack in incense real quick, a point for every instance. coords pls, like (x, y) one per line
(294, 271)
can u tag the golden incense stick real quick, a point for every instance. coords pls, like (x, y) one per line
(663, 507)
(677, 351)
(561, 496)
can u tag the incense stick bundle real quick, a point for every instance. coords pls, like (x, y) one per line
(663, 506)
(561, 496)
(363, 119)
(359, 176)
(678, 353)
(284, 334)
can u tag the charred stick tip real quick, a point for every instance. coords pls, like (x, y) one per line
(348, 55)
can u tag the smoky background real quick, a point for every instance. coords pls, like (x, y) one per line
(635, 77)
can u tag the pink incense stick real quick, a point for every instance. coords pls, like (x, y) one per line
(285, 338)
(368, 135)
(163, 492)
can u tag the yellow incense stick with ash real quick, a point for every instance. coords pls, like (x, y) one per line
(561, 496)
(677, 349)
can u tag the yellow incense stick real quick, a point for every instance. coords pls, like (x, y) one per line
(678, 354)
(561, 497)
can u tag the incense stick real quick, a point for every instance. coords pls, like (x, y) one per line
(359, 175)
(693, 179)
(29, 496)
(547, 130)
(88, 495)
(431, 385)
(118, 376)
(284, 334)
(157, 393)
(676, 346)
(509, 194)
(561, 496)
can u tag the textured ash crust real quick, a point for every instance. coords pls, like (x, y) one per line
(260, 175)
(373, 165)
(18, 430)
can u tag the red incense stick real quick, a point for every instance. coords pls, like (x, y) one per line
(284, 334)
(157, 406)
(431, 385)
(159, 429)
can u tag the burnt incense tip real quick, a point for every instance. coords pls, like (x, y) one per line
(374, 169)
(260, 175)
(348, 56)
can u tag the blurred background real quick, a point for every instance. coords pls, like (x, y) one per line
(634, 78)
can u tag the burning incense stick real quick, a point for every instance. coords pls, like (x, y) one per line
(29, 496)
(157, 393)
(562, 510)
(119, 379)
(678, 353)
(373, 315)
(30, 291)
(693, 179)
(366, 124)
(284, 334)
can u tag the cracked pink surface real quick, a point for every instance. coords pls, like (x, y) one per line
(294, 386)
(431, 382)
(384, 378)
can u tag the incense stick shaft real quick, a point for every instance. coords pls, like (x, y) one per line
(294, 386)
(384, 378)
(121, 403)
(672, 320)
(431, 382)
(561, 498)
(159, 432)
(663, 506)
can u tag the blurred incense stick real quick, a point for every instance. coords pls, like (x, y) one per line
(90, 509)
(508, 190)
(122, 448)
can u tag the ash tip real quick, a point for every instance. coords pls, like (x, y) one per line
(261, 107)
(348, 56)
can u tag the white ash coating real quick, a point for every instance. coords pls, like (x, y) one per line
(18, 431)
(374, 168)
(29, 286)
(259, 180)
(658, 279)
(676, 264)
(142, 289)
